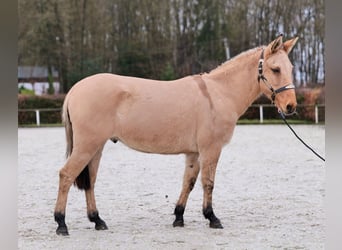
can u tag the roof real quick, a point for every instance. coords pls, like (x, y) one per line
(35, 72)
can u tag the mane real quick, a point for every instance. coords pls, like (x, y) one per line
(233, 61)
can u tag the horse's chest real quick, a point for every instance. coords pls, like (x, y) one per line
(222, 131)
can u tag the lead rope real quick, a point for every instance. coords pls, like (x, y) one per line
(284, 119)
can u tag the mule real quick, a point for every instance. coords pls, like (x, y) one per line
(194, 115)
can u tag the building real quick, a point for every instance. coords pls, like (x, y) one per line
(35, 78)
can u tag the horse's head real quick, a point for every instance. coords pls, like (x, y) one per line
(275, 70)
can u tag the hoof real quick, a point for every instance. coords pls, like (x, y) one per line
(62, 230)
(209, 214)
(178, 223)
(99, 223)
(101, 226)
(215, 224)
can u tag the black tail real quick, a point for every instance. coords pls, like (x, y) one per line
(83, 181)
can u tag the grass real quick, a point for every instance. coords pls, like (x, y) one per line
(272, 121)
(42, 125)
(240, 122)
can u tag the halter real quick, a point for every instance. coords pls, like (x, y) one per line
(269, 86)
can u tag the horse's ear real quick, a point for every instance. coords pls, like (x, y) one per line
(289, 44)
(276, 44)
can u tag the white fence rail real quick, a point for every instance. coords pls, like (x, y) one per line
(38, 111)
(316, 108)
(260, 106)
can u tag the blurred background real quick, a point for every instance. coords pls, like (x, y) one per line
(63, 41)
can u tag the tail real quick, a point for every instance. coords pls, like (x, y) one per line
(83, 180)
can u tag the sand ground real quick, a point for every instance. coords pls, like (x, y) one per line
(269, 194)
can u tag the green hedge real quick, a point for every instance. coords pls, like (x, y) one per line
(304, 96)
(40, 102)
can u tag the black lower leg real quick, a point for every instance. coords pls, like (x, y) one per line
(209, 214)
(179, 221)
(99, 223)
(62, 228)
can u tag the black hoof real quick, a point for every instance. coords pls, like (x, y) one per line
(101, 225)
(215, 224)
(62, 230)
(178, 223)
(209, 214)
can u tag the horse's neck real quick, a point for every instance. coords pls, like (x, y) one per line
(237, 80)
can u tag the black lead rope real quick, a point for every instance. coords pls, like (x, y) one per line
(284, 119)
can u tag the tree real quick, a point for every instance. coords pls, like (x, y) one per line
(155, 39)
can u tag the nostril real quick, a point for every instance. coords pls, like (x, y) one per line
(290, 108)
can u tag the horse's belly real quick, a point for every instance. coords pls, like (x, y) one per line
(160, 143)
(160, 147)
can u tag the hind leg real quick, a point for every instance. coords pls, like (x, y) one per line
(78, 160)
(92, 211)
(190, 176)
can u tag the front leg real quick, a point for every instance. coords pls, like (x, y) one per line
(208, 171)
(190, 176)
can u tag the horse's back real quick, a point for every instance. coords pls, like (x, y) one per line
(104, 84)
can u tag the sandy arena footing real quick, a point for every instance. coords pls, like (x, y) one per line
(269, 194)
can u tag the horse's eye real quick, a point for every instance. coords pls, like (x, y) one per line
(276, 70)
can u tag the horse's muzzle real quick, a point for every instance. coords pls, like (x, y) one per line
(290, 110)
